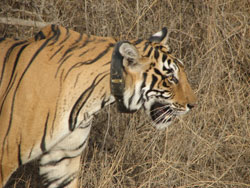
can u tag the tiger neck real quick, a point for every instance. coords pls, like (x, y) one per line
(91, 95)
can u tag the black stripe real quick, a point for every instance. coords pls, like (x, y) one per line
(153, 82)
(142, 86)
(164, 57)
(88, 62)
(47, 182)
(106, 63)
(158, 72)
(67, 180)
(66, 38)
(54, 163)
(100, 55)
(7, 57)
(103, 100)
(138, 41)
(59, 67)
(169, 62)
(31, 150)
(131, 99)
(85, 42)
(19, 155)
(103, 53)
(56, 52)
(43, 145)
(156, 54)
(81, 102)
(78, 40)
(81, 145)
(56, 35)
(140, 99)
(39, 36)
(68, 51)
(83, 53)
(149, 52)
(144, 80)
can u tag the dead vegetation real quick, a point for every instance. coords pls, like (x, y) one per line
(209, 147)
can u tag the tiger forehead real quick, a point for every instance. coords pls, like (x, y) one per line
(157, 52)
(146, 45)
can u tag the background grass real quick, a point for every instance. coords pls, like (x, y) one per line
(209, 147)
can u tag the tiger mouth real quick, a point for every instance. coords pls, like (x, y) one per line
(161, 113)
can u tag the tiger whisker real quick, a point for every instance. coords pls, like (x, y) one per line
(168, 113)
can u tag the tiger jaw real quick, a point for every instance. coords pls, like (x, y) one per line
(163, 115)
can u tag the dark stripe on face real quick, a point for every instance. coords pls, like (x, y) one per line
(43, 145)
(169, 62)
(82, 100)
(46, 182)
(154, 80)
(144, 80)
(142, 86)
(81, 145)
(131, 98)
(156, 54)
(158, 72)
(68, 180)
(164, 57)
(149, 52)
(54, 163)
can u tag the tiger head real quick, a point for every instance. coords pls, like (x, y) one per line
(152, 78)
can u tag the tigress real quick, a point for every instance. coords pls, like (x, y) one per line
(51, 85)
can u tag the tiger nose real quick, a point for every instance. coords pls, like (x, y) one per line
(190, 106)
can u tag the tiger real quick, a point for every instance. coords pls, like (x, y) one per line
(52, 85)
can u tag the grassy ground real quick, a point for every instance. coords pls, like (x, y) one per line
(209, 147)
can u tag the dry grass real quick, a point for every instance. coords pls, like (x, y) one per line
(209, 147)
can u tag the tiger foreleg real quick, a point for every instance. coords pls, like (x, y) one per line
(59, 166)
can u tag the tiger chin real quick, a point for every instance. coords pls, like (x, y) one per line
(53, 84)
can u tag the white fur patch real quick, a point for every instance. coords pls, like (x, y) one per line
(158, 34)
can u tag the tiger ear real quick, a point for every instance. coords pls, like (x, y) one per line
(160, 37)
(130, 54)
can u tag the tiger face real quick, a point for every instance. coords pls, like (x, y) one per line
(155, 80)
